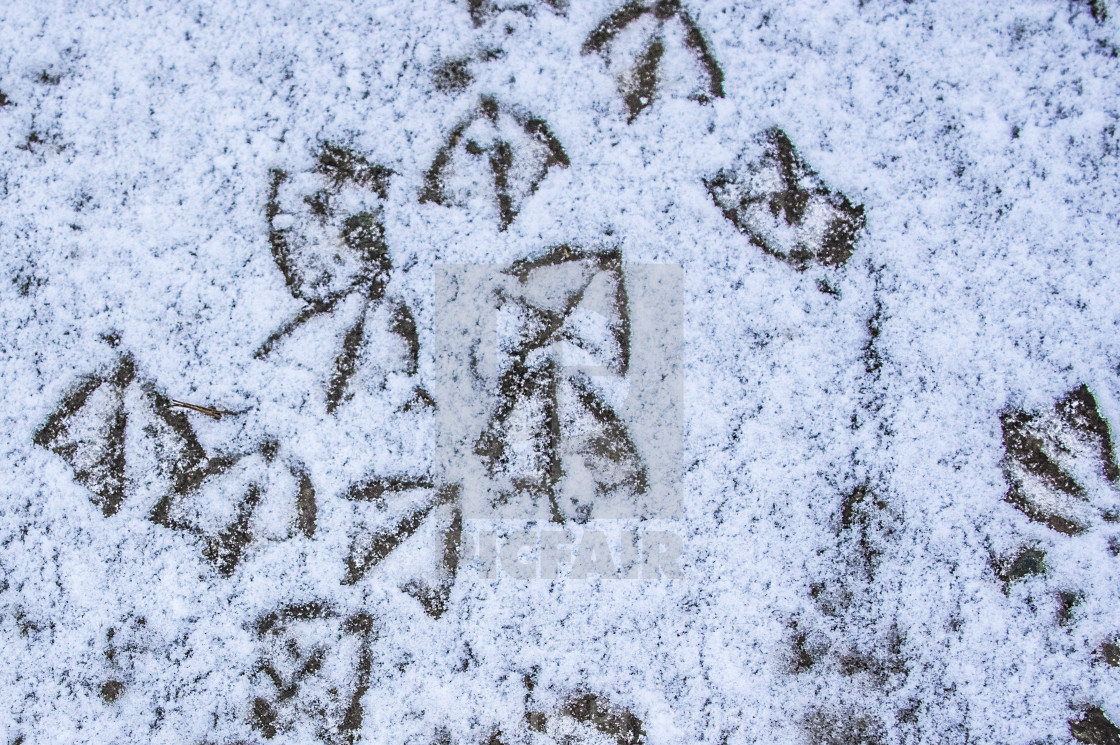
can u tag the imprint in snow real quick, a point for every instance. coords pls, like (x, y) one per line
(122, 437)
(454, 75)
(772, 196)
(328, 240)
(483, 10)
(654, 24)
(586, 718)
(249, 496)
(313, 670)
(513, 149)
(576, 298)
(1060, 466)
(1094, 728)
(125, 441)
(440, 513)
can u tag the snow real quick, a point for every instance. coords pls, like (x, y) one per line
(847, 554)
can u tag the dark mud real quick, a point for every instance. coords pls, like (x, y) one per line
(347, 362)
(225, 549)
(453, 75)
(374, 489)
(1034, 441)
(306, 505)
(1094, 728)
(638, 94)
(403, 324)
(1027, 562)
(624, 727)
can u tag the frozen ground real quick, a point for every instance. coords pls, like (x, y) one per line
(897, 225)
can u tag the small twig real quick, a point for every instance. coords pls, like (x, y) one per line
(209, 411)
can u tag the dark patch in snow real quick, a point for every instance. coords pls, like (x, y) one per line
(1041, 448)
(1094, 728)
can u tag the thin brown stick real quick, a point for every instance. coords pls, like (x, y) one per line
(209, 411)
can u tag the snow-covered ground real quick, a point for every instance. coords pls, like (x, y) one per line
(891, 501)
